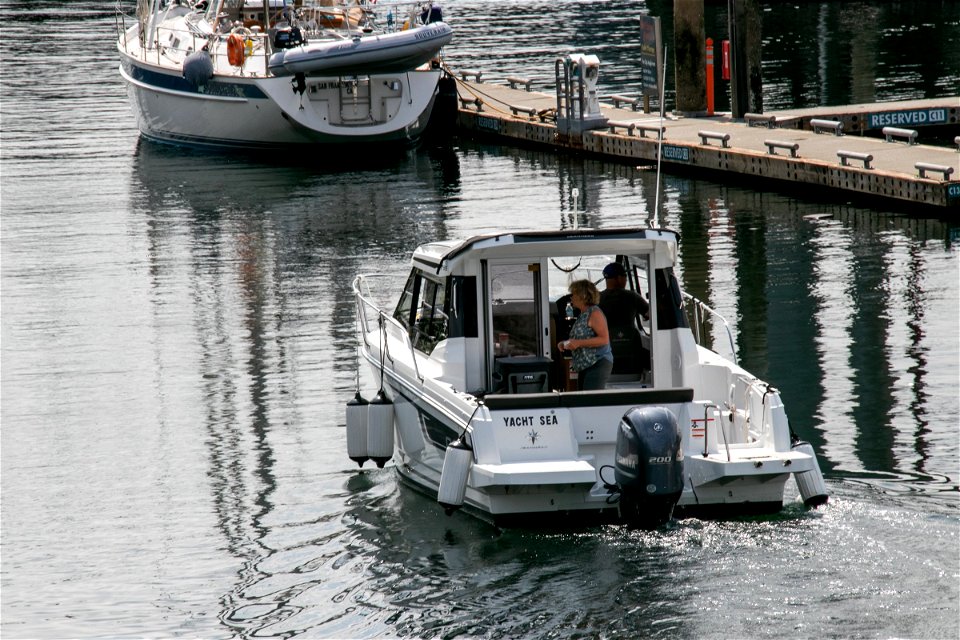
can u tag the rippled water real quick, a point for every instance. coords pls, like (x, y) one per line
(178, 344)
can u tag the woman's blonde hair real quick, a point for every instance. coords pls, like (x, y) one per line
(586, 290)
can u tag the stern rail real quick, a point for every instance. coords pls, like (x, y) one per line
(702, 312)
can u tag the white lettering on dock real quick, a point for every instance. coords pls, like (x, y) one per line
(491, 124)
(680, 154)
(915, 117)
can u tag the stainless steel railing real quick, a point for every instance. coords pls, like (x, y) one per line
(701, 317)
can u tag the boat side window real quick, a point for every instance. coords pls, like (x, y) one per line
(670, 312)
(430, 326)
(404, 311)
(425, 307)
(461, 307)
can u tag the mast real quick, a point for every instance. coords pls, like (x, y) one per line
(152, 9)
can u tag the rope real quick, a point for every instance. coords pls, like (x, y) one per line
(472, 90)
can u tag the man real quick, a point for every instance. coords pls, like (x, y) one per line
(621, 306)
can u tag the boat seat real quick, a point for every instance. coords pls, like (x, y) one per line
(629, 355)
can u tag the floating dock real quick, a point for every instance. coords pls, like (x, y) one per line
(869, 151)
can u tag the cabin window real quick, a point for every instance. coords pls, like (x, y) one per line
(430, 325)
(462, 307)
(515, 294)
(670, 312)
(422, 311)
(404, 312)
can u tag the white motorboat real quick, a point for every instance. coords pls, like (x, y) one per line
(478, 408)
(199, 73)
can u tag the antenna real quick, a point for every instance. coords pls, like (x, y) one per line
(663, 86)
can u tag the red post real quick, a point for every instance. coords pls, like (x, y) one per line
(725, 66)
(709, 76)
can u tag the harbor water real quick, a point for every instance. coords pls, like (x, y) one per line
(179, 341)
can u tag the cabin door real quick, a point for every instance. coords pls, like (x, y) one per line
(516, 314)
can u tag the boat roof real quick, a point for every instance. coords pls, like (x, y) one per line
(443, 255)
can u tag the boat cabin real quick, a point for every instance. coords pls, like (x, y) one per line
(489, 312)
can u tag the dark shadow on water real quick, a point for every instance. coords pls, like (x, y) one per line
(326, 159)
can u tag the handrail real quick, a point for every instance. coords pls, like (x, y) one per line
(706, 427)
(383, 320)
(699, 307)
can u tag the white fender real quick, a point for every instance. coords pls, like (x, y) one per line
(812, 488)
(453, 479)
(357, 411)
(380, 429)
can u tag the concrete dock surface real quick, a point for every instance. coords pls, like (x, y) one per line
(779, 146)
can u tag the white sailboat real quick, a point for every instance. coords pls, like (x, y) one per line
(234, 73)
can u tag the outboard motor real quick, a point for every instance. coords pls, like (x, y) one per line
(649, 466)
(431, 13)
(287, 38)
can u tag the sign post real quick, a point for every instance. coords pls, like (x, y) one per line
(651, 59)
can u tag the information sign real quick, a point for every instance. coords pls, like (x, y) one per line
(651, 56)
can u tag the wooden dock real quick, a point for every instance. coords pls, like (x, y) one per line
(824, 147)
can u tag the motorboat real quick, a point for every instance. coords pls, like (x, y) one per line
(478, 407)
(272, 74)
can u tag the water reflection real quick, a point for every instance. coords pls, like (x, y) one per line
(814, 53)
(263, 256)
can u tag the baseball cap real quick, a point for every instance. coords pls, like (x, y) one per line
(613, 270)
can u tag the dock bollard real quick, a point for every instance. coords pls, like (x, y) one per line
(466, 73)
(834, 125)
(865, 158)
(513, 81)
(890, 133)
(792, 147)
(758, 119)
(923, 167)
(724, 138)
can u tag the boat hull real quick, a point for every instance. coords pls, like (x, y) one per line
(265, 112)
(515, 495)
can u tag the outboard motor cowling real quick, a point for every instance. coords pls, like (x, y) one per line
(288, 38)
(648, 466)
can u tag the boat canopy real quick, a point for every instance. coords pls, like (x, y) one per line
(444, 256)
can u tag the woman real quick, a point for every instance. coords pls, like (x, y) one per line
(589, 338)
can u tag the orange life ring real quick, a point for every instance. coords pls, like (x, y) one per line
(235, 49)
